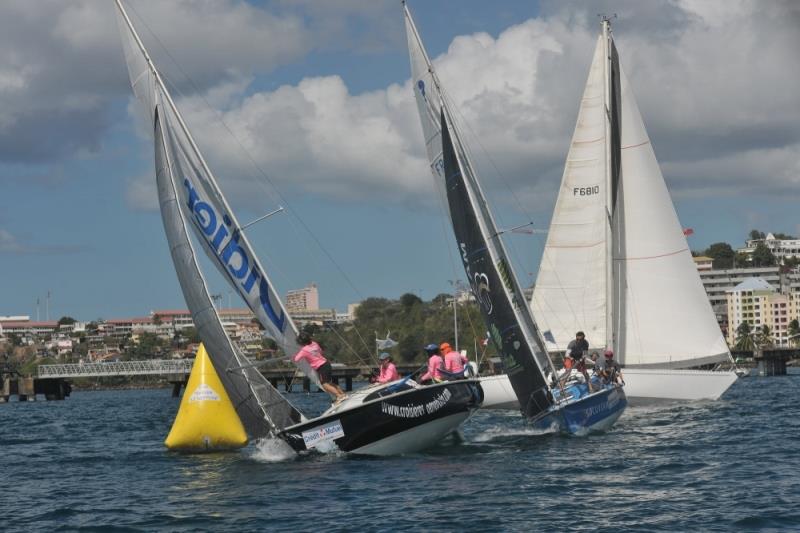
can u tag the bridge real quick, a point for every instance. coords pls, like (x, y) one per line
(149, 367)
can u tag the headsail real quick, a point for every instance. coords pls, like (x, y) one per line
(616, 263)
(187, 191)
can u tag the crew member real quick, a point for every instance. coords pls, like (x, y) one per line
(453, 361)
(435, 365)
(611, 373)
(312, 353)
(576, 349)
(388, 370)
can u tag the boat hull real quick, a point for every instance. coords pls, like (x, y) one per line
(642, 386)
(594, 412)
(405, 422)
(498, 393)
(656, 385)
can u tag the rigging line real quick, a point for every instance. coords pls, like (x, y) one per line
(249, 157)
(367, 361)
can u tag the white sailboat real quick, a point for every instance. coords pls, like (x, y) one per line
(616, 264)
(544, 401)
(395, 418)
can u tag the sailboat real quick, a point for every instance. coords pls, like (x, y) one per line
(544, 401)
(616, 263)
(395, 418)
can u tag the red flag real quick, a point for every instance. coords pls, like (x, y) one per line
(688, 231)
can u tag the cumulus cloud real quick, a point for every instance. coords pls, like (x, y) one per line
(714, 81)
(711, 79)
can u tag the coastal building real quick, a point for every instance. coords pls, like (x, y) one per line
(758, 303)
(305, 299)
(780, 248)
(703, 263)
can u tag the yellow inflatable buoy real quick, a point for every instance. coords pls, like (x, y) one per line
(206, 420)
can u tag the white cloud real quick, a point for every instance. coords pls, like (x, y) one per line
(718, 99)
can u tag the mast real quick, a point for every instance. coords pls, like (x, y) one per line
(606, 27)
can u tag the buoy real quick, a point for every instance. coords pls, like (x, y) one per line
(206, 420)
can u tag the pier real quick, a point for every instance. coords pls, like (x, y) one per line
(51, 380)
(772, 361)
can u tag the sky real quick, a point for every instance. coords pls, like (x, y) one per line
(308, 105)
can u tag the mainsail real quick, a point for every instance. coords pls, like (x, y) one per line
(188, 192)
(616, 263)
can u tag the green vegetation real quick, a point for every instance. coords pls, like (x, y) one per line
(721, 253)
(762, 257)
(412, 322)
(744, 337)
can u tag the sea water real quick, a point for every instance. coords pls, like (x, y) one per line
(96, 461)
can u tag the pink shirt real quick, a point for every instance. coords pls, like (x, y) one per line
(311, 353)
(454, 362)
(388, 373)
(435, 364)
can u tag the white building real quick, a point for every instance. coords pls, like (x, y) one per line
(780, 248)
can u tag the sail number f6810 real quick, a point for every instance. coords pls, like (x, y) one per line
(585, 191)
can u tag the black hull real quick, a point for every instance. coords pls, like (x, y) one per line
(390, 416)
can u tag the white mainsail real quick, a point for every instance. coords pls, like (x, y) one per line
(188, 195)
(666, 320)
(570, 291)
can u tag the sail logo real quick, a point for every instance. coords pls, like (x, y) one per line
(234, 258)
(421, 87)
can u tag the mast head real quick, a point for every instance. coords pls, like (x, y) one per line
(605, 20)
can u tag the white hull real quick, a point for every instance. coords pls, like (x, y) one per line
(641, 386)
(415, 439)
(497, 393)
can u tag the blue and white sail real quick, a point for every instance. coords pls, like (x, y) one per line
(189, 196)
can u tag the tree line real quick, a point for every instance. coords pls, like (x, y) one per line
(724, 256)
(409, 321)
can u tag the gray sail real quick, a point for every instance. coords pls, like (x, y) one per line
(182, 179)
(261, 408)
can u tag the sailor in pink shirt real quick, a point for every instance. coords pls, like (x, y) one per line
(435, 365)
(311, 352)
(388, 370)
(453, 361)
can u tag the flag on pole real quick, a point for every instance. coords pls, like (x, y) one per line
(688, 231)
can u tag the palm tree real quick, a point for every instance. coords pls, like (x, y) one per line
(744, 338)
(764, 336)
(794, 332)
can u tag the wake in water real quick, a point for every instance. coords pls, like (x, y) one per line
(504, 433)
(272, 451)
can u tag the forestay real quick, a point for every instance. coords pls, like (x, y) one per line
(188, 192)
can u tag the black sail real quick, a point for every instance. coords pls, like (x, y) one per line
(500, 299)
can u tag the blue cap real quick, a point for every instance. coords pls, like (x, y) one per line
(431, 347)
(384, 355)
